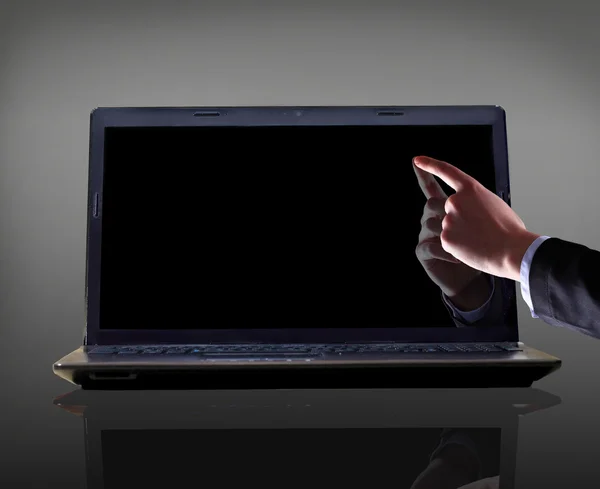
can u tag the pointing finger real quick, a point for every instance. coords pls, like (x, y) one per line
(429, 185)
(454, 177)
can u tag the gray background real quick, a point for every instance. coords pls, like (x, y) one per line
(60, 59)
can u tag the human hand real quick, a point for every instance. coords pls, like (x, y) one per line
(466, 287)
(439, 474)
(454, 467)
(479, 228)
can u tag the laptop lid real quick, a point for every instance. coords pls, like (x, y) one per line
(273, 435)
(276, 224)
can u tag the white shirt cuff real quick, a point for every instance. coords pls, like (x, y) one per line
(526, 268)
(476, 314)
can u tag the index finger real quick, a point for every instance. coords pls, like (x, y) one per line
(429, 185)
(451, 175)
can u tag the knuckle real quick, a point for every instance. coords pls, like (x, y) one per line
(422, 250)
(422, 246)
(419, 250)
(431, 224)
(434, 206)
(430, 204)
(447, 221)
(445, 237)
(451, 204)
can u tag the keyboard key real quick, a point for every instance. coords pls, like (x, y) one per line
(152, 351)
(176, 351)
(253, 354)
(299, 350)
(105, 350)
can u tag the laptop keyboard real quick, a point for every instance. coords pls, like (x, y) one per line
(301, 350)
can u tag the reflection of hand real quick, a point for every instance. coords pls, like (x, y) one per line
(479, 228)
(466, 287)
(454, 467)
(489, 483)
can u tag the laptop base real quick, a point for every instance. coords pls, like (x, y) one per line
(326, 378)
(381, 370)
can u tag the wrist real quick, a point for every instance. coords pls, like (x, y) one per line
(474, 295)
(511, 266)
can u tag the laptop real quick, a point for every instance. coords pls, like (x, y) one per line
(275, 246)
(311, 437)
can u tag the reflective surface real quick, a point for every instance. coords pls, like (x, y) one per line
(411, 438)
(356, 438)
(407, 438)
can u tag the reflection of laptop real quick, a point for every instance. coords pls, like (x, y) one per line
(308, 438)
(281, 241)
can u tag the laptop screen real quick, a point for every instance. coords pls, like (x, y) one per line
(276, 227)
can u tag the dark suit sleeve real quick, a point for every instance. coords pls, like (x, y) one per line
(500, 311)
(564, 283)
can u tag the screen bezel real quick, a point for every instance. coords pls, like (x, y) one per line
(102, 118)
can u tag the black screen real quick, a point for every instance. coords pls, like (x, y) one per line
(299, 458)
(273, 227)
